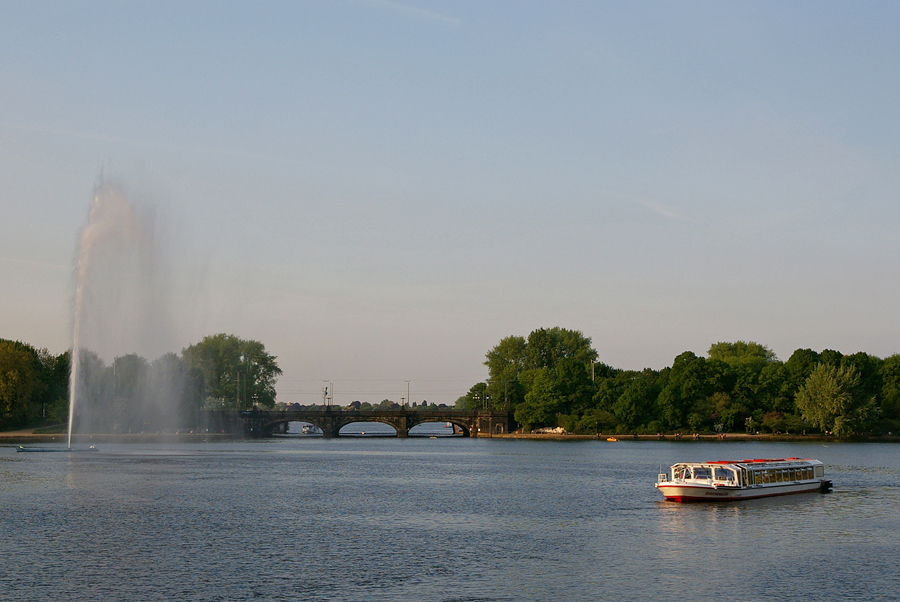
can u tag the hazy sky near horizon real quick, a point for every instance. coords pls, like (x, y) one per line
(380, 191)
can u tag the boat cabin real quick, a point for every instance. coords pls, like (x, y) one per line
(747, 473)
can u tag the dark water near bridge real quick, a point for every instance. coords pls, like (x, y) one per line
(446, 519)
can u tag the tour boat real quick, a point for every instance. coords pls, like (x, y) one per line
(723, 480)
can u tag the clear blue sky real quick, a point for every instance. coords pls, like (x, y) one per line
(380, 191)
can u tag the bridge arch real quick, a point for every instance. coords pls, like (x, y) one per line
(472, 423)
(432, 427)
(360, 424)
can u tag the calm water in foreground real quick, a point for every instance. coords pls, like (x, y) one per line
(437, 519)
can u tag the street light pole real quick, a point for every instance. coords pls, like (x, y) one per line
(408, 400)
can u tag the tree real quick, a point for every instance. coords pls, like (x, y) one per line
(56, 375)
(18, 384)
(236, 373)
(890, 391)
(742, 353)
(505, 363)
(869, 369)
(632, 409)
(689, 383)
(546, 346)
(573, 380)
(831, 400)
(671, 409)
(475, 398)
(175, 392)
(543, 402)
(129, 411)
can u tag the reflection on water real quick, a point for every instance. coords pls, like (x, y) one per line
(435, 519)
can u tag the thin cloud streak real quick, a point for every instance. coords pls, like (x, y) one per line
(663, 210)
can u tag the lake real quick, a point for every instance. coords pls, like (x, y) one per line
(446, 519)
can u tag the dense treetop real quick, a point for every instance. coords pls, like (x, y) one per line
(552, 378)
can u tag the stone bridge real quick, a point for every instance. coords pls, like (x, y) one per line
(472, 423)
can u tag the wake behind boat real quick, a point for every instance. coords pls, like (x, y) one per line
(721, 481)
(56, 449)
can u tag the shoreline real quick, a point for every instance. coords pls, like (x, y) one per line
(728, 437)
(25, 437)
(21, 438)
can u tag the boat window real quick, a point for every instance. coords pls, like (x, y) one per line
(723, 474)
(757, 477)
(701, 472)
(807, 473)
(820, 471)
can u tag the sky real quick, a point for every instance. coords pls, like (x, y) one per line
(380, 191)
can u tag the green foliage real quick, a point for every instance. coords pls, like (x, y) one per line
(478, 398)
(132, 394)
(741, 353)
(833, 399)
(740, 386)
(890, 402)
(505, 363)
(33, 385)
(633, 407)
(547, 346)
(546, 399)
(238, 373)
(19, 384)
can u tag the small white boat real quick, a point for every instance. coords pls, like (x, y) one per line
(722, 481)
(56, 449)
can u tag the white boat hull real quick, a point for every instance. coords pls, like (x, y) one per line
(702, 493)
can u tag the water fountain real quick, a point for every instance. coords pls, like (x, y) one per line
(121, 291)
(122, 304)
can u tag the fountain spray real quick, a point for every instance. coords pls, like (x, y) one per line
(114, 236)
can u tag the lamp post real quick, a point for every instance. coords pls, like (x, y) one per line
(408, 400)
(327, 394)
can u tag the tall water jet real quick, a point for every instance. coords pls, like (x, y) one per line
(121, 292)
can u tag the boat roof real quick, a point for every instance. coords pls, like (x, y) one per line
(759, 461)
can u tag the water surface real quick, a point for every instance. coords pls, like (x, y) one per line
(446, 519)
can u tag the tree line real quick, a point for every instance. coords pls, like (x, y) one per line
(132, 394)
(552, 378)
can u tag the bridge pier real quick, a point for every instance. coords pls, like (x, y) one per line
(402, 427)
